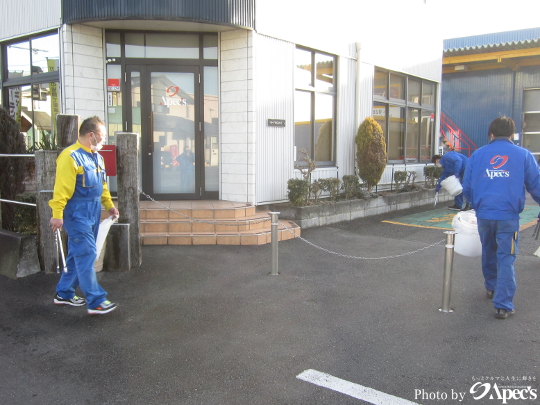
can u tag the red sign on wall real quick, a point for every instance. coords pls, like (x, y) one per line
(109, 156)
(113, 84)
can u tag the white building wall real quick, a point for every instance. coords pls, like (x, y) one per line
(346, 117)
(237, 117)
(23, 17)
(83, 74)
(274, 99)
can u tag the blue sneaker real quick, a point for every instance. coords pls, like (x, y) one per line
(104, 308)
(75, 301)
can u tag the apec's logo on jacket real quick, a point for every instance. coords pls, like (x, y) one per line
(497, 162)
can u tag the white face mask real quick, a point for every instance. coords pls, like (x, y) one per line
(97, 147)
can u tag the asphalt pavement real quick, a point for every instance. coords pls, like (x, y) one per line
(202, 325)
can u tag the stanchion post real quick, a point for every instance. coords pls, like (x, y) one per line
(274, 228)
(448, 264)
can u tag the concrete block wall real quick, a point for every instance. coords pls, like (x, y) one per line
(237, 117)
(83, 70)
(313, 216)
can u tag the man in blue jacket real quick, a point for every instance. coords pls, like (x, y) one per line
(495, 182)
(453, 163)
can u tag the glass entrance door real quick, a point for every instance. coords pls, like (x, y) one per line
(165, 111)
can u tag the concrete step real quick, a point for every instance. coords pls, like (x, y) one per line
(208, 223)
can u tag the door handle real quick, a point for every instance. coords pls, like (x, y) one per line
(151, 145)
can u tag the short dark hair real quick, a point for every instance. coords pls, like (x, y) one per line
(90, 125)
(502, 127)
(435, 158)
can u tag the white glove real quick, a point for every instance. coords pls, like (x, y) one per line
(436, 199)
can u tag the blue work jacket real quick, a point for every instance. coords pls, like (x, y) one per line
(496, 178)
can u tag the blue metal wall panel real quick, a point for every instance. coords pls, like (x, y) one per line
(473, 99)
(237, 13)
(527, 77)
(494, 38)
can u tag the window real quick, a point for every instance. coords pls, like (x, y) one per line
(314, 107)
(30, 86)
(531, 119)
(404, 106)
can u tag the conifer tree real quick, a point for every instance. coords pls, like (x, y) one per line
(370, 152)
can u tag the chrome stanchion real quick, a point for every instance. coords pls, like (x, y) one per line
(447, 279)
(274, 219)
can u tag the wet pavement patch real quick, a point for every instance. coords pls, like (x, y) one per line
(441, 218)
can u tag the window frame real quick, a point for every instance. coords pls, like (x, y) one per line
(33, 80)
(314, 90)
(387, 101)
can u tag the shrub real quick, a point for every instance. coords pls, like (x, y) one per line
(400, 177)
(331, 185)
(432, 174)
(315, 190)
(351, 187)
(370, 152)
(12, 169)
(404, 180)
(297, 192)
(25, 218)
(308, 168)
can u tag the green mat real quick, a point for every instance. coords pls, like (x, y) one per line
(441, 218)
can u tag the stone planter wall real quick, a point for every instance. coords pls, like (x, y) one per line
(313, 216)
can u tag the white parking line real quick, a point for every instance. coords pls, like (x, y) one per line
(353, 390)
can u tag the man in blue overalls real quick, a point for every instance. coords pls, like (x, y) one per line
(495, 182)
(79, 191)
(453, 163)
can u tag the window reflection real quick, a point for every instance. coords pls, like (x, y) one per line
(302, 123)
(397, 86)
(35, 108)
(414, 91)
(379, 115)
(428, 94)
(408, 140)
(45, 54)
(413, 135)
(396, 132)
(324, 133)
(134, 45)
(303, 68)
(18, 58)
(324, 77)
(314, 106)
(427, 130)
(164, 46)
(211, 129)
(210, 47)
(113, 47)
(380, 85)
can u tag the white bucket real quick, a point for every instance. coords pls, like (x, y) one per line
(467, 242)
(452, 185)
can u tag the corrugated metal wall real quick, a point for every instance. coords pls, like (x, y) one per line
(365, 107)
(23, 18)
(345, 116)
(273, 63)
(473, 99)
(238, 13)
(274, 98)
